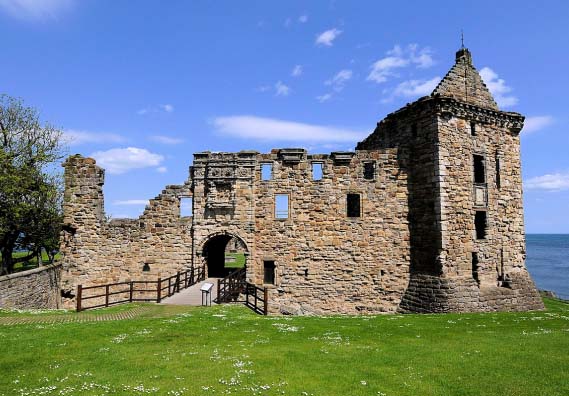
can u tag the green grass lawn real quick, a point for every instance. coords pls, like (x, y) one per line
(32, 263)
(239, 260)
(230, 350)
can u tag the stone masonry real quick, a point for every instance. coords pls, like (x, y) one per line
(425, 216)
(38, 288)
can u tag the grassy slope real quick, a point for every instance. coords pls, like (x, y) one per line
(239, 260)
(201, 349)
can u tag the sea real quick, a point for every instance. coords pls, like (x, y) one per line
(548, 262)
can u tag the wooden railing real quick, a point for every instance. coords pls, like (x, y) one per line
(231, 287)
(136, 291)
(234, 286)
(260, 298)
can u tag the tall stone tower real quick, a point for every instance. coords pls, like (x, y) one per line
(462, 154)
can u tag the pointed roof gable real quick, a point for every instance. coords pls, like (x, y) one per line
(462, 82)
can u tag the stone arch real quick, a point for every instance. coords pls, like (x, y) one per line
(214, 250)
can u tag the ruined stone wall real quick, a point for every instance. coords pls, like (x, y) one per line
(38, 288)
(326, 261)
(98, 251)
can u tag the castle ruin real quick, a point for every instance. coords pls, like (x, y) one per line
(426, 215)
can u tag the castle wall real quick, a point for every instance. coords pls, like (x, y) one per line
(98, 251)
(38, 288)
(326, 261)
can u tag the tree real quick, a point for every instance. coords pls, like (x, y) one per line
(30, 193)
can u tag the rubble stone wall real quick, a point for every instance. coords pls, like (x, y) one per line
(38, 288)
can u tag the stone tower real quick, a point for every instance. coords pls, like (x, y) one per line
(83, 209)
(466, 226)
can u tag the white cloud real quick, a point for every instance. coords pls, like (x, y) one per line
(263, 88)
(75, 137)
(35, 9)
(281, 89)
(121, 160)
(166, 139)
(324, 98)
(327, 38)
(303, 18)
(296, 71)
(498, 88)
(416, 88)
(549, 182)
(397, 58)
(161, 169)
(338, 82)
(270, 129)
(536, 123)
(161, 108)
(131, 202)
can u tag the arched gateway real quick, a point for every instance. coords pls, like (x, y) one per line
(223, 252)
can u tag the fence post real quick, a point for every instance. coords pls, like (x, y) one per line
(169, 285)
(131, 291)
(246, 295)
(186, 279)
(106, 295)
(255, 299)
(159, 290)
(218, 291)
(177, 286)
(79, 296)
(266, 301)
(192, 275)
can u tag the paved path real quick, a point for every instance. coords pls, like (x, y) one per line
(73, 318)
(192, 295)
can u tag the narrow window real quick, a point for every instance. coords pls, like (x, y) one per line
(369, 170)
(498, 181)
(414, 130)
(186, 204)
(266, 172)
(473, 129)
(480, 224)
(281, 206)
(269, 272)
(317, 170)
(479, 171)
(146, 267)
(475, 267)
(353, 205)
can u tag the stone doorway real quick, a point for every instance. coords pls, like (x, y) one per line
(224, 253)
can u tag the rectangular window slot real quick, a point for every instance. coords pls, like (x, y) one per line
(498, 181)
(369, 170)
(269, 272)
(266, 172)
(479, 170)
(480, 222)
(281, 206)
(186, 205)
(475, 267)
(317, 170)
(353, 205)
(473, 129)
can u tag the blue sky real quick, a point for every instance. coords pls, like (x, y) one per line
(143, 85)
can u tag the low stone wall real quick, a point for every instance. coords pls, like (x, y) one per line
(38, 288)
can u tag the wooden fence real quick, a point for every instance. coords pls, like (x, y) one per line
(235, 288)
(137, 290)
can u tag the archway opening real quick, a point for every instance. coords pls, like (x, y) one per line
(224, 254)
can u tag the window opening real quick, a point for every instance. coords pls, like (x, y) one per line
(479, 171)
(353, 205)
(266, 172)
(317, 170)
(480, 224)
(281, 206)
(475, 267)
(369, 170)
(498, 181)
(186, 206)
(473, 129)
(269, 272)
